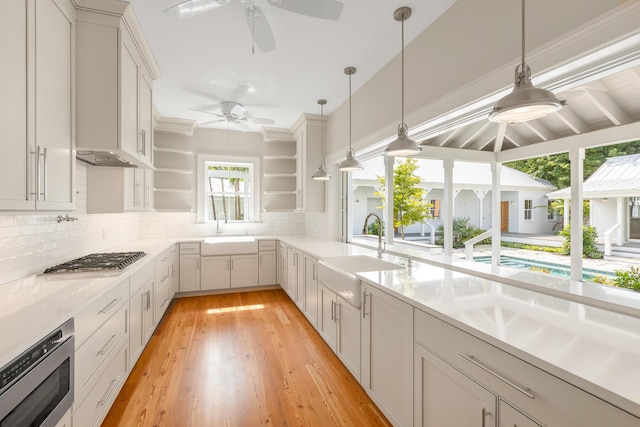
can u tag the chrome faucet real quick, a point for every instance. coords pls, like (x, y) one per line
(364, 231)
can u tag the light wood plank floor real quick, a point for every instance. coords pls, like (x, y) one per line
(243, 359)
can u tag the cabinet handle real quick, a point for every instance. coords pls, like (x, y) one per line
(45, 172)
(332, 311)
(37, 153)
(364, 305)
(148, 299)
(109, 306)
(229, 265)
(338, 314)
(144, 142)
(315, 272)
(526, 391)
(104, 348)
(484, 417)
(109, 392)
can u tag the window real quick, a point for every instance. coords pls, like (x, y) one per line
(227, 190)
(434, 210)
(528, 209)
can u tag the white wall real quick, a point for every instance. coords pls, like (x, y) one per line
(603, 215)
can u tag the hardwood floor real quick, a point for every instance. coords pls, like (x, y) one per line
(243, 359)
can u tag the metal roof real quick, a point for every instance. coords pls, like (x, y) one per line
(616, 177)
(469, 175)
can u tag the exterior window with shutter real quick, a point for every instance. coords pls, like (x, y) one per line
(528, 209)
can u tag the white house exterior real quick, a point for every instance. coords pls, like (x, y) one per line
(614, 194)
(523, 198)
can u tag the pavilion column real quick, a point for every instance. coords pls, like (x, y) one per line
(447, 208)
(621, 209)
(425, 197)
(567, 209)
(576, 156)
(496, 213)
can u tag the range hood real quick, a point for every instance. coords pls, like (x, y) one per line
(103, 158)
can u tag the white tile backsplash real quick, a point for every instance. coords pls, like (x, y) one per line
(29, 243)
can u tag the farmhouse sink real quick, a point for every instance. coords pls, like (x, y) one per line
(229, 245)
(339, 274)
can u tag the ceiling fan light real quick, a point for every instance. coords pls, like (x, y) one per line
(321, 174)
(526, 102)
(402, 146)
(350, 164)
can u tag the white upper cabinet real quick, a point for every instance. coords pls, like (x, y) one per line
(310, 194)
(114, 85)
(37, 106)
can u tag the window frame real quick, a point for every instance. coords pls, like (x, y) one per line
(528, 210)
(253, 213)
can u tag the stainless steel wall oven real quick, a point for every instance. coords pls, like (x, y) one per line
(36, 388)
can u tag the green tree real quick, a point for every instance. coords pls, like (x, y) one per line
(408, 204)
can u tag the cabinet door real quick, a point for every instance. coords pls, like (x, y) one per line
(300, 281)
(311, 289)
(292, 272)
(445, 397)
(215, 272)
(54, 101)
(326, 315)
(137, 305)
(148, 323)
(189, 272)
(129, 91)
(146, 119)
(244, 271)
(510, 416)
(387, 354)
(348, 339)
(282, 267)
(267, 268)
(16, 162)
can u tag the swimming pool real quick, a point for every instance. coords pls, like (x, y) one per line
(555, 269)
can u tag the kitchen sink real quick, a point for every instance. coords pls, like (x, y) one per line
(339, 273)
(229, 245)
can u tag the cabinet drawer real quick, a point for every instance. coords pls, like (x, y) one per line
(267, 245)
(92, 410)
(163, 261)
(189, 248)
(97, 348)
(545, 397)
(141, 277)
(95, 315)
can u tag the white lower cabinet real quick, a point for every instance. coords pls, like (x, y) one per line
(189, 267)
(525, 394)
(445, 397)
(141, 305)
(267, 263)
(65, 421)
(311, 289)
(387, 354)
(339, 325)
(291, 282)
(224, 272)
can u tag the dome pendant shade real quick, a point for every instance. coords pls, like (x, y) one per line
(526, 102)
(350, 164)
(403, 145)
(321, 174)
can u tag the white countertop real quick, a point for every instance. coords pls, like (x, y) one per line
(35, 305)
(593, 348)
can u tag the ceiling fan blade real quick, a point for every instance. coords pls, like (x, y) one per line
(260, 28)
(261, 120)
(324, 9)
(242, 126)
(189, 8)
(210, 122)
(207, 112)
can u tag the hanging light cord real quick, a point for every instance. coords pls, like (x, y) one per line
(402, 80)
(322, 134)
(253, 28)
(523, 64)
(350, 111)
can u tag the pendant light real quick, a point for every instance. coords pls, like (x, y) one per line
(321, 174)
(403, 145)
(525, 102)
(350, 164)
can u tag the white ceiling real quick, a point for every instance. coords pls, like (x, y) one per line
(205, 59)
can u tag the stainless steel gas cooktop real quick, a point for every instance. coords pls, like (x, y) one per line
(111, 261)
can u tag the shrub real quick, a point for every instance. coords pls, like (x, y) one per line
(463, 231)
(544, 270)
(589, 237)
(602, 280)
(373, 228)
(549, 249)
(628, 279)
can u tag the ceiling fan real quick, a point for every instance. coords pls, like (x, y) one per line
(256, 19)
(235, 113)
